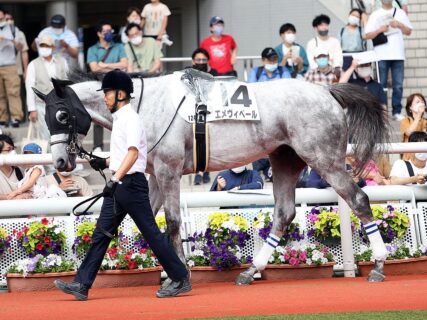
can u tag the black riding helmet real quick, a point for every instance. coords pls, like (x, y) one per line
(117, 80)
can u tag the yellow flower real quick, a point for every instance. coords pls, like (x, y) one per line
(216, 219)
(241, 223)
(3, 233)
(161, 221)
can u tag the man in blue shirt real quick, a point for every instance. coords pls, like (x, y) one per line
(237, 179)
(105, 56)
(270, 70)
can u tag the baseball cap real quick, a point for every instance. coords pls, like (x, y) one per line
(318, 51)
(215, 20)
(268, 53)
(47, 40)
(33, 148)
(57, 21)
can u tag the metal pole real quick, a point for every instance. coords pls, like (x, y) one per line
(346, 238)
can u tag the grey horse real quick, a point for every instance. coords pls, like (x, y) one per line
(301, 124)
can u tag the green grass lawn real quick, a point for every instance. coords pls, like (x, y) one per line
(377, 315)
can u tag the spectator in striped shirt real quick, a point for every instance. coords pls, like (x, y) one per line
(324, 73)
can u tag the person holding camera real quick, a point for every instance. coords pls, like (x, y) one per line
(386, 27)
(72, 185)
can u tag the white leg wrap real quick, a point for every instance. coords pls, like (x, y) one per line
(266, 251)
(379, 250)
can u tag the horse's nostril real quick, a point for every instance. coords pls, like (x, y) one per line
(59, 163)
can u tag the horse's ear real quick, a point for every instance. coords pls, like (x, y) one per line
(39, 94)
(59, 86)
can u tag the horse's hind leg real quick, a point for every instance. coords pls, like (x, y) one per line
(287, 166)
(358, 201)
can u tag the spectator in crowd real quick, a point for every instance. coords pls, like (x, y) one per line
(323, 74)
(291, 54)
(66, 43)
(386, 27)
(155, 17)
(402, 4)
(72, 185)
(22, 58)
(414, 170)
(104, 56)
(316, 181)
(33, 184)
(221, 47)
(143, 53)
(325, 42)
(414, 121)
(270, 69)
(351, 37)
(39, 74)
(9, 79)
(360, 73)
(9, 175)
(239, 178)
(200, 61)
(133, 16)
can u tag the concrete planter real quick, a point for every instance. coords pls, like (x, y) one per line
(397, 267)
(128, 278)
(303, 271)
(36, 282)
(211, 274)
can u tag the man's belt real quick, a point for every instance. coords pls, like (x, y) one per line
(201, 139)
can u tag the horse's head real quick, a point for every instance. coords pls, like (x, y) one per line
(68, 122)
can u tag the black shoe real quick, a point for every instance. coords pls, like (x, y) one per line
(78, 290)
(206, 177)
(198, 179)
(174, 288)
(15, 123)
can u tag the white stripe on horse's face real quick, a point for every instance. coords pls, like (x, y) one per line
(61, 160)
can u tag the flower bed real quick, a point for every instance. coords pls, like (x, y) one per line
(5, 239)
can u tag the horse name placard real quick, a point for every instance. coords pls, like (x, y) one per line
(226, 99)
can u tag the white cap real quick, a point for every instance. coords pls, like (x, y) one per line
(320, 51)
(365, 57)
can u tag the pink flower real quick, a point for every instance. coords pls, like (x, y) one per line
(303, 256)
(293, 261)
(312, 218)
(294, 253)
(286, 256)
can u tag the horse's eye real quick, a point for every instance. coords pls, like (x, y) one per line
(62, 117)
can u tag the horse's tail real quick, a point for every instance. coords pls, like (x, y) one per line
(366, 119)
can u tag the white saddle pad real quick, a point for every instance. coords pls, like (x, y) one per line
(226, 99)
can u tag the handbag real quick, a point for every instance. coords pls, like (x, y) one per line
(379, 39)
(33, 136)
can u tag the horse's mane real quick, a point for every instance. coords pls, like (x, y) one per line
(78, 76)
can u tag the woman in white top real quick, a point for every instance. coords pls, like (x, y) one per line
(9, 175)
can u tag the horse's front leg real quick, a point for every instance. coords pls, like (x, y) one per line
(286, 167)
(156, 196)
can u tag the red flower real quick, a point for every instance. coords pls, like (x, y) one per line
(131, 265)
(45, 221)
(38, 236)
(86, 237)
(128, 256)
(112, 252)
(19, 234)
(25, 229)
(143, 250)
(39, 246)
(117, 265)
(47, 240)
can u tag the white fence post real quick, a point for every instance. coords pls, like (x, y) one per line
(346, 238)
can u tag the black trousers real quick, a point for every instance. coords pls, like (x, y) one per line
(130, 197)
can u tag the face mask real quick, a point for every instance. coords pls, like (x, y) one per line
(108, 36)
(421, 156)
(322, 62)
(289, 38)
(387, 1)
(364, 72)
(419, 107)
(354, 21)
(45, 52)
(137, 21)
(201, 67)
(218, 30)
(65, 174)
(137, 40)
(323, 33)
(2, 23)
(13, 153)
(271, 67)
(239, 169)
(58, 31)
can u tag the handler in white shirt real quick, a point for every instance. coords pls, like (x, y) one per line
(39, 74)
(126, 193)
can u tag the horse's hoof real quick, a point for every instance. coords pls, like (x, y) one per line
(244, 279)
(376, 276)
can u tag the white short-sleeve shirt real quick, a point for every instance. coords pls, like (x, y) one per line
(400, 170)
(127, 132)
(394, 49)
